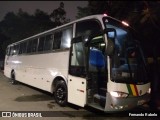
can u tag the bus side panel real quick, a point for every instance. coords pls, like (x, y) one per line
(7, 71)
(39, 70)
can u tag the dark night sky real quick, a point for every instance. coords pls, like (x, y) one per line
(46, 6)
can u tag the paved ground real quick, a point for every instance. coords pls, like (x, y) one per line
(20, 98)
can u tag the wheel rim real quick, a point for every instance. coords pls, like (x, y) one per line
(61, 94)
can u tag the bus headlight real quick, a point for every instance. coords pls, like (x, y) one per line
(119, 94)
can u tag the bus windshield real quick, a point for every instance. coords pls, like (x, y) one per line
(127, 61)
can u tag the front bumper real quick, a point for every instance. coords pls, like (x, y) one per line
(114, 104)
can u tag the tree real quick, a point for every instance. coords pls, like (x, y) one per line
(9, 25)
(42, 21)
(58, 16)
(82, 12)
(94, 7)
(20, 25)
(3, 44)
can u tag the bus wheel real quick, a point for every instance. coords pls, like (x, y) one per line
(60, 93)
(13, 81)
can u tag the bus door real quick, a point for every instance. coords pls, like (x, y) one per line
(97, 72)
(77, 73)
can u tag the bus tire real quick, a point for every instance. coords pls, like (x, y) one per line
(13, 81)
(60, 93)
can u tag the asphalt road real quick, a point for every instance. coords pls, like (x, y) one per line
(23, 101)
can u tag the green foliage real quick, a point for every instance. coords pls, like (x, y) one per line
(20, 25)
(94, 7)
(82, 12)
(41, 22)
(3, 44)
(59, 15)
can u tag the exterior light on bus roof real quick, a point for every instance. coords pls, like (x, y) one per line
(125, 23)
(105, 14)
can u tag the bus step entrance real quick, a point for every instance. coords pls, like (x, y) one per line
(102, 91)
(99, 99)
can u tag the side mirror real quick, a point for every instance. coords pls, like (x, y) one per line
(87, 38)
(76, 39)
(111, 35)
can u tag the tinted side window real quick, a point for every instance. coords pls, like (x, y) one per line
(34, 45)
(29, 46)
(48, 42)
(41, 43)
(16, 49)
(66, 38)
(87, 27)
(22, 48)
(57, 40)
(12, 50)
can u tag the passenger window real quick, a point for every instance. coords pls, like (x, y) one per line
(57, 40)
(48, 42)
(12, 50)
(77, 65)
(41, 43)
(66, 38)
(34, 45)
(29, 46)
(22, 48)
(87, 28)
(16, 49)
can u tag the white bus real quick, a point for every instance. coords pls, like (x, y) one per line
(94, 61)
